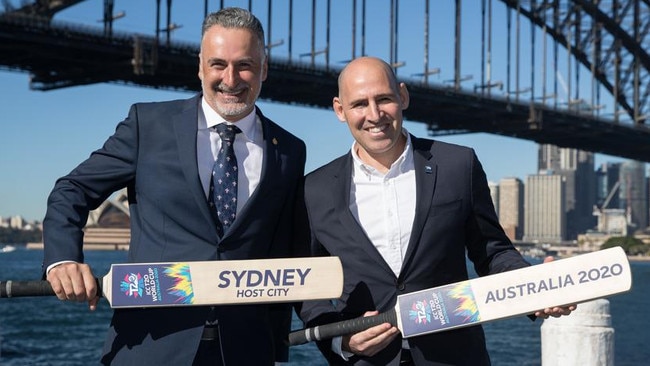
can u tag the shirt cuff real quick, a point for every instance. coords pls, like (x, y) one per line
(337, 347)
(54, 265)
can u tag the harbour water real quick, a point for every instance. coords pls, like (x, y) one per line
(46, 332)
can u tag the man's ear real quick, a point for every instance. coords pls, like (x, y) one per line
(265, 68)
(200, 72)
(338, 109)
(404, 95)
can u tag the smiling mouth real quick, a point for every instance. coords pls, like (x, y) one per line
(377, 129)
(232, 94)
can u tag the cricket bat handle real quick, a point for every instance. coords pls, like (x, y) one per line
(332, 330)
(25, 288)
(29, 288)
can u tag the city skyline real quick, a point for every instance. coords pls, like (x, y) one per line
(570, 196)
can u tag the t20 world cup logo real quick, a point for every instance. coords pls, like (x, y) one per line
(132, 285)
(420, 312)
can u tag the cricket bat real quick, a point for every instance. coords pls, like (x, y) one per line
(499, 296)
(208, 282)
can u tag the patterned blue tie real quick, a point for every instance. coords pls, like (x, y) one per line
(223, 185)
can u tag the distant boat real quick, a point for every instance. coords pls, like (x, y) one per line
(7, 249)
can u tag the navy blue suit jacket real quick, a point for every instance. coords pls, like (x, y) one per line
(153, 154)
(454, 217)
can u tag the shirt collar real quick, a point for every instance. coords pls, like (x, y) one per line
(212, 118)
(403, 164)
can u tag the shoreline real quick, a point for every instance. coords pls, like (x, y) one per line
(125, 246)
(637, 258)
(107, 246)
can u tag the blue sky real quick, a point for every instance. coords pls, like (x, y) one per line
(46, 134)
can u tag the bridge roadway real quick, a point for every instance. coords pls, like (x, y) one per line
(59, 55)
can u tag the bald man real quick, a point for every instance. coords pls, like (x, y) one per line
(402, 213)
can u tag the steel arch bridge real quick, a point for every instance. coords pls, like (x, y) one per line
(523, 56)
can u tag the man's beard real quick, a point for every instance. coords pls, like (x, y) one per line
(230, 108)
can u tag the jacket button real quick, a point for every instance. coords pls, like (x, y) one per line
(401, 286)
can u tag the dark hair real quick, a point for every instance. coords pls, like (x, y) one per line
(235, 18)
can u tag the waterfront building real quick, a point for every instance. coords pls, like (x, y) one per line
(607, 184)
(577, 169)
(633, 196)
(544, 208)
(108, 226)
(16, 222)
(511, 207)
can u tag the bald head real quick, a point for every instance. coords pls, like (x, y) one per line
(363, 65)
(370, 101)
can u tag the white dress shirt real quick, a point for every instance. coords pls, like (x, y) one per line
(384, 206)
(248, 150)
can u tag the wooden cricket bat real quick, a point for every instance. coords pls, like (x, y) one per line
(208, 283)
(504, 295)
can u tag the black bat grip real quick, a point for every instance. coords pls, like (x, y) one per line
(332, 330)
(31, 288)
(25, 288)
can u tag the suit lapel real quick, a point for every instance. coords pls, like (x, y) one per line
(185, 127)
(342, 185)
(426, 171)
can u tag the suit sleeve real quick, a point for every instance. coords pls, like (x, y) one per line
(488, 246)
(106, 170)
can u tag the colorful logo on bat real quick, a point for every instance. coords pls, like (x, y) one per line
(465, 305)
(132, 285)
(420, 313)
(182, 283)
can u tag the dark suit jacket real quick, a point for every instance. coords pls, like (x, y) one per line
(153, 154)
(454, 216)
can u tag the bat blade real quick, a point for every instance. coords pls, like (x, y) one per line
(208, 282)
(499, 296)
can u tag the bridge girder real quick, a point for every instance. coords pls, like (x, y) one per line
(64, 55)
(44, 8)
(630, 72)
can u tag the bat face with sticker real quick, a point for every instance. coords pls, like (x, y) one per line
(208, 282)
(504, 295)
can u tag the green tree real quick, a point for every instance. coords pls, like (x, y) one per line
(17, 236)
(630, 244)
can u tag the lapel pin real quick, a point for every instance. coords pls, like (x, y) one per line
(427, 169)
(275, 141)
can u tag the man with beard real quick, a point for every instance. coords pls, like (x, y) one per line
(164, 154)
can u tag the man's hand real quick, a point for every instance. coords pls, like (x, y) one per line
(370, 341)
(74, 282)
(556, 311)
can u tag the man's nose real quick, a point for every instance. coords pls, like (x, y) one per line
(230, 77)
(373, 112)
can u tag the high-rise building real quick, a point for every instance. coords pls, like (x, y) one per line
(577, 168)
(633, 196)
(544, 217)
(511, 207)
(607, 185)
(16, 222)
